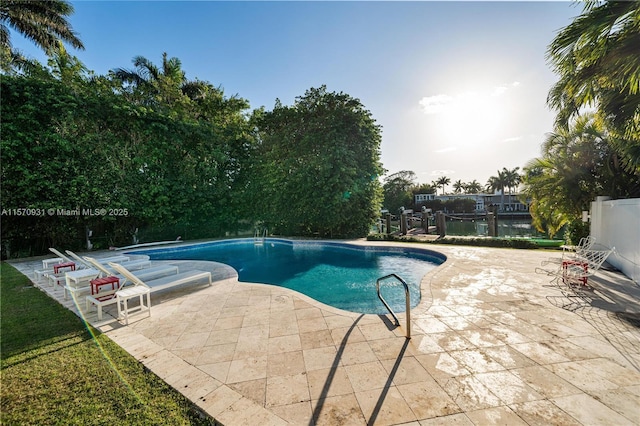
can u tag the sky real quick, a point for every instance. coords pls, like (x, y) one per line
(459, 88)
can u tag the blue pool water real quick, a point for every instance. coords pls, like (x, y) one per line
(337, 274)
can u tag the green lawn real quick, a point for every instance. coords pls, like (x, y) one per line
(56, 371)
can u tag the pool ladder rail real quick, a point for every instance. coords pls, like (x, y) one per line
(258, 237)
(407, 298)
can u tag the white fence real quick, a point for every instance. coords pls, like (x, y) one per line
(616, 223)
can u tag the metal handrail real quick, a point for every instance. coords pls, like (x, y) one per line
(407, 297)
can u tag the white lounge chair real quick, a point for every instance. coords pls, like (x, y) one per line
(143, 274)
(166, 282)
(103, 260)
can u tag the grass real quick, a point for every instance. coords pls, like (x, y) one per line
(55, 369)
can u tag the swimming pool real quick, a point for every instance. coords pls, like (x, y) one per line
(337, 274)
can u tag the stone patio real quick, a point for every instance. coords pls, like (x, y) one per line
(492, 343)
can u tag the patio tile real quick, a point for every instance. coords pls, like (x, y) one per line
(367, 376)
(218, 400)
(508, 357)
(320, 358)
(545, 382)
(328, 382)
(224, 323)
(451, 420)
(221, 337)
(482, 338)
(218, 370)
(543, 412)
(428, 400)
(337, 410)
(316, 339)
(255, 390)
(246, 369)
(285, 364)
(590, 411)
(298, 414)
(351, 334)
(496, 416)
(283, 344)
(476, 361)
(581, 377)
(384, 406)
(442, 365)
(405, 370)
(539, 352)
(284, 390)
(469, 393)
(311, 324)
(216, 353)
(356, 353)
(508, 387)
(621, 401)
(247, 412)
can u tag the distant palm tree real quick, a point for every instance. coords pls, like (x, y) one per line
(443, 181)
(160, 81)
(496, 183)
(511, 179)
(42, 22)
(458, 186)
(473, 187)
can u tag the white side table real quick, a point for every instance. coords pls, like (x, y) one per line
(77, 281)
(48, 263)
(123, 296)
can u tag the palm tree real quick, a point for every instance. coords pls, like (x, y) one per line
(597, 59)
(167, 83)
(458, 186)
(577, 165)
(43, 22)
(473, 187)
(443, 181)
(497, 183)
(511, 179)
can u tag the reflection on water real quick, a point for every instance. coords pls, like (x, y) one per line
(506, 228)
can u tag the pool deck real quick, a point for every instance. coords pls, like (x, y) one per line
(492, 343)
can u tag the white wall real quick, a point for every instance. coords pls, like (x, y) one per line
(616, 223)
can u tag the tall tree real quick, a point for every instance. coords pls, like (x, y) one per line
(598, 60)
(511, 179)
(458, 186)
(319, 163)
(497, 183)
(42, 22)
(577, 165)
(165, 85)
(397, 190)
(443, 181)
(473, 187)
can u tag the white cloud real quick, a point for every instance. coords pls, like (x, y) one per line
(438, 173)
(500, 90)
(435, 104)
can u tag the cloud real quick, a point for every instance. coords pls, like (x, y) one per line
(503, 88)
(438, 173)
(435, 104)
(440, 103)
(500, 90)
